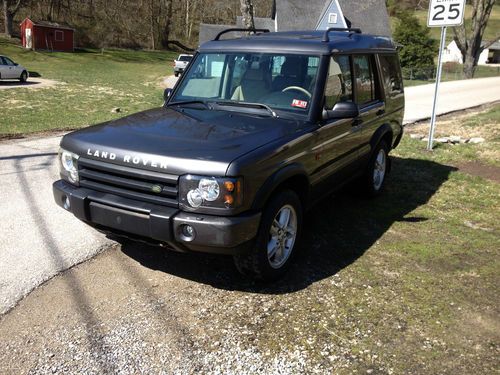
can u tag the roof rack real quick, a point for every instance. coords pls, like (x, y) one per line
(326, 37)
(255, 31)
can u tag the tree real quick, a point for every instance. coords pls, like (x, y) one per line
(10, 8)
(469, 36)
(247, 12)
(418, 48)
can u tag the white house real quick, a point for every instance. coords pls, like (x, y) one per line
(490, 55)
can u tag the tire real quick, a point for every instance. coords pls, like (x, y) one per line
(375, 177)
(272, 254)
(24, 77)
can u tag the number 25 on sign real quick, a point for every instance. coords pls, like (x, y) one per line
(446, 13)
(442, 13)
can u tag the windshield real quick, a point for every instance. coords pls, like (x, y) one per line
(280, 81)
(185, 58)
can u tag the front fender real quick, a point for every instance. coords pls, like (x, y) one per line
(276, 180)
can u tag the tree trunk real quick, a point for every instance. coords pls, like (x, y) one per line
(469, 37)
(8, 19)
(247, 13)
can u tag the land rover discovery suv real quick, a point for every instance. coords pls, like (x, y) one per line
(257, 130)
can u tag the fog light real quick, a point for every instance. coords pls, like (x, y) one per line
(66, 203)
(188, 232)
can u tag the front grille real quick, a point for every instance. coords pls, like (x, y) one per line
(133, 183)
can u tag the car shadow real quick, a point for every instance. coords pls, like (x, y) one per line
(17, 83)
(337, 232)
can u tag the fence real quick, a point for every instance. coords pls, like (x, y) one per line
(451, 72)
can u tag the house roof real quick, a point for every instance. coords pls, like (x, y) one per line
(54, 25)
(369, 15)
(260, 23)
(494, 47)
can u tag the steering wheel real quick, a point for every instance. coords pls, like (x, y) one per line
(297, 88)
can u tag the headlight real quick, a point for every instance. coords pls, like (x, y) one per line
(210, 192)
(69, 166)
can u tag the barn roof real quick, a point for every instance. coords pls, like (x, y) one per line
(494, 47)
(260, 23)
(54, 25)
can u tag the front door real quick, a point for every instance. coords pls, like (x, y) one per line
(29, 39)
(10, 68)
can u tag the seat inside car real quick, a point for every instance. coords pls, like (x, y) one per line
(290, 74)
(254, 84)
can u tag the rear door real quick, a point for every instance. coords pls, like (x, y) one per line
(369, 97)
(336, 145)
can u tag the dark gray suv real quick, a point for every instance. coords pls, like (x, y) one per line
(257, 130)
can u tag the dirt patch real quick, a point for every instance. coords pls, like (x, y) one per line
(475, 168)
(32, 83)
(168, 82)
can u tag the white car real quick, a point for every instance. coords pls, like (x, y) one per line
(10, 70)
(181, 64)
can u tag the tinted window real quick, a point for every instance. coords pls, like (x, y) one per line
(391, 75)
(185, 58)
(8, 61)
(339, 83)
(365, 79)
(1, 61)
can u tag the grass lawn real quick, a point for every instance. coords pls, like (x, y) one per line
(92, 84)
(407, 283)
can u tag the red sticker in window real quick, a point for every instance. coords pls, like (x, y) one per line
(299, 103)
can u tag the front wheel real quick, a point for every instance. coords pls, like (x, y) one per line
(24, 77)
(276, 240)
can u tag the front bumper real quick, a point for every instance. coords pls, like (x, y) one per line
(158, 224)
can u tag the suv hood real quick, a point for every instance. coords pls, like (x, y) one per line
(178, 141)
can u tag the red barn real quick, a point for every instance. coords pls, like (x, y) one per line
(43, 35)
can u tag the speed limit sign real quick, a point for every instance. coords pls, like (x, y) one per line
(446, 13)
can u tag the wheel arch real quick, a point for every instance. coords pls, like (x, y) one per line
(293, 177)
(383, 133)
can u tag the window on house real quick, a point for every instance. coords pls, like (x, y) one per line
(332, 18)
(59, 36)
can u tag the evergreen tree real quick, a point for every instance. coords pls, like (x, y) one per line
(418, 48)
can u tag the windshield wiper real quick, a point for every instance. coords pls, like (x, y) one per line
(190, 102)
(247, 105)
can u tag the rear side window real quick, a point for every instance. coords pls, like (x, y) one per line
(364, 72)
(391, 75)
(339, 83)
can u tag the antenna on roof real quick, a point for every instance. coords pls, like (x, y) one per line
(326, 37)
(255, 31)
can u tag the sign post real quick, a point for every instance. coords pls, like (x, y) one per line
(442, 13)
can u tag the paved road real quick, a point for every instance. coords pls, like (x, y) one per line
(454, 96)
(38, 239)
(32, 83)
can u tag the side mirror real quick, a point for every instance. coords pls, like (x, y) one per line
(342, 110)
(166, 94)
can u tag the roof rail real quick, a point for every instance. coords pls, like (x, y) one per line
(326, 37)
(255, 31)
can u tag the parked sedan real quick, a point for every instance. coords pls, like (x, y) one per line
(11, 70)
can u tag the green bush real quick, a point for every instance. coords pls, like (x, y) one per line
(418, 49)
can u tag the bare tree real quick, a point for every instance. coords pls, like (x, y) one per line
(247, 13)
(10, 8)
(469, 37)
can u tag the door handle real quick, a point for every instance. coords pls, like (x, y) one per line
(357, 122)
